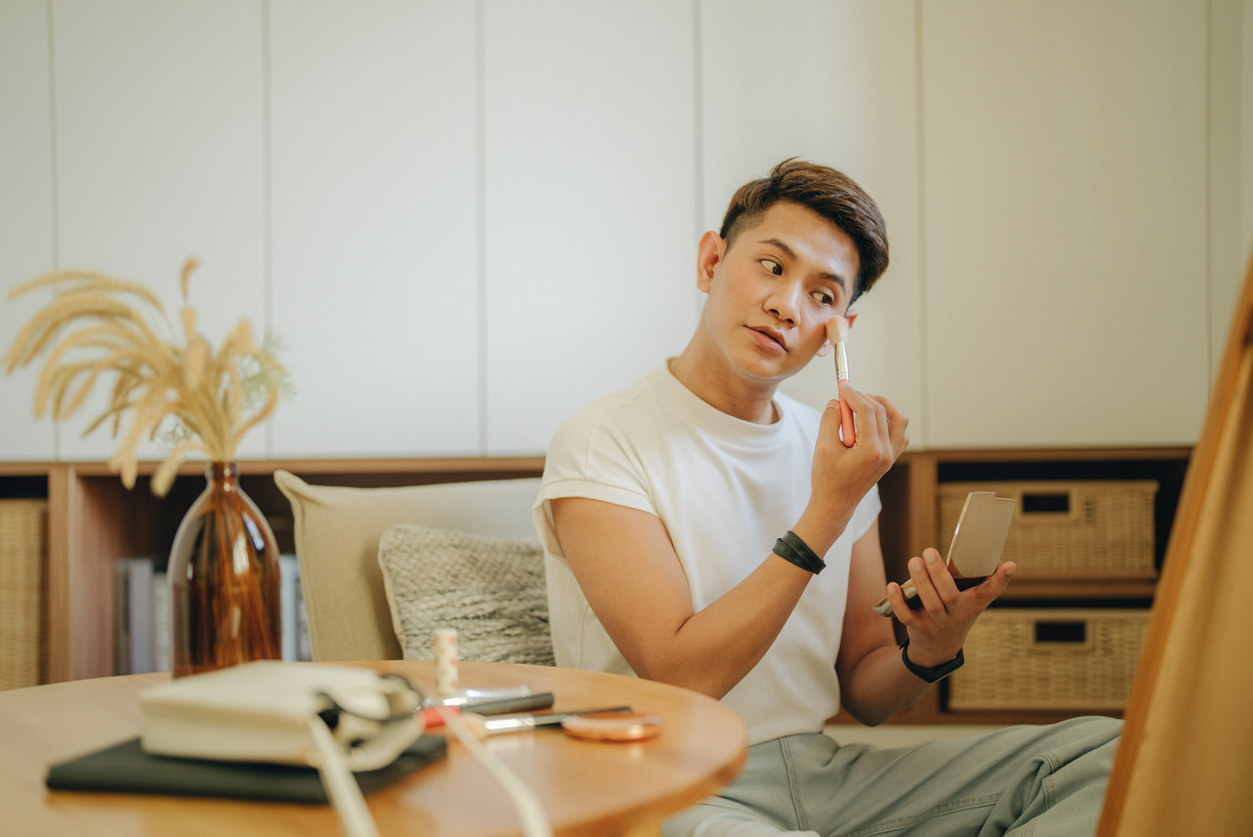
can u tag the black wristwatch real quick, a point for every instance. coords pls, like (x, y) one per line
(932, 675)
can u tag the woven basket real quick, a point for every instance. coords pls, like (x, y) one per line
(23, 528)
(1049, 659)
(1085, 527)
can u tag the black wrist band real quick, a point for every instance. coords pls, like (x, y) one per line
(932, 675)
(792, 548)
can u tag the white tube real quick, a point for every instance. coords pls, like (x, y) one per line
(446, 680)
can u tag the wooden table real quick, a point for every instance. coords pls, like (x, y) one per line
(586, 788)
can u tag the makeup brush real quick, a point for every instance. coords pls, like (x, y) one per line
(837, 333)
(482, 726)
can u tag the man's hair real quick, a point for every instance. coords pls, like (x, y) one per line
(831, 194)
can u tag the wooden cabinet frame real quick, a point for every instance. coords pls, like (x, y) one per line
(910, 523)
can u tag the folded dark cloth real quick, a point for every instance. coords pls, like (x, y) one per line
(126, 768)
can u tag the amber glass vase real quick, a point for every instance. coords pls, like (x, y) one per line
(224, 599)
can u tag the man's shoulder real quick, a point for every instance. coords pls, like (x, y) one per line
(613, 410)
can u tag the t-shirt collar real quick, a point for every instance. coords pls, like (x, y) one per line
(700, 412)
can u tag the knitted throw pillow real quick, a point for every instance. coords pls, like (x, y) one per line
(490, 589)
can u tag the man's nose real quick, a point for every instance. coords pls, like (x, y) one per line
(783, 303)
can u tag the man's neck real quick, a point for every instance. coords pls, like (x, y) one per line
(721, 387)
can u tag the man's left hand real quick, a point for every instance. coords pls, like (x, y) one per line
(938, 629)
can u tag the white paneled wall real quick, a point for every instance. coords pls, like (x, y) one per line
(1245, 172)
(465, 220)
(1228, 250)
(590, 201)
(26, 214)
(846, 97)
(159, 157)
(374, 226)
(1065, 222)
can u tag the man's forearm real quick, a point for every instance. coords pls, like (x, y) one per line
(880, 686)
(716, 647)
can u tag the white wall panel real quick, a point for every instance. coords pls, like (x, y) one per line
(1228, 259)
(590, 205)
(159, 156)
(844, 96)
(1246, 128)
(26, 221)
(446, 285)
(374, 227)
(1065, 222)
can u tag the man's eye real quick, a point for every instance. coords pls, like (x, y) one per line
(823, 297)
(772, 266)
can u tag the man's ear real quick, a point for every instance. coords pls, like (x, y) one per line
(708, 255)
(850, 315)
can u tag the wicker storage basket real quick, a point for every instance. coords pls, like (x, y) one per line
(1085, 527)
(1049, 659)
(23, 528)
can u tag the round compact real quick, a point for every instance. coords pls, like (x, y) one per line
(612, 726)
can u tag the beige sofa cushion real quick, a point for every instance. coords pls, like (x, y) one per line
(491, 590)
(337, 543)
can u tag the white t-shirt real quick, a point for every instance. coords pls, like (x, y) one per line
(725, 490)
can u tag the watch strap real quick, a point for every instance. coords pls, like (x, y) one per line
(791, 548)
(932, 675)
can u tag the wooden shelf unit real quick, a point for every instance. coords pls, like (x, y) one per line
(910, 523)
(93, 521)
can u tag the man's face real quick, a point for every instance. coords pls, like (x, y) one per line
(775, 288)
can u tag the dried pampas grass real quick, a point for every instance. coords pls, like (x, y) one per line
(215, 397)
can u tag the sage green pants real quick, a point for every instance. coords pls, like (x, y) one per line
(1027, 781)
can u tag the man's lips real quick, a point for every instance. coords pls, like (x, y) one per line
(771, 336)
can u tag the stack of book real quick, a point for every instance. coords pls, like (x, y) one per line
(141, 628)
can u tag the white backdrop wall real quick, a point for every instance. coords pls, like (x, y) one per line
(464, 220)
(374, 175)
(1075, 177)
(158, 141)
(27, 217)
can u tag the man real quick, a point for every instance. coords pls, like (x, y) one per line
(686, 520)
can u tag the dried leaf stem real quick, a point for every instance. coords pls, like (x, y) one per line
(96, 326)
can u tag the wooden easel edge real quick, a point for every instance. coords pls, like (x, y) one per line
(1196, 487)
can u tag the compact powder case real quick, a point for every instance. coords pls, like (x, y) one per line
(612, 726)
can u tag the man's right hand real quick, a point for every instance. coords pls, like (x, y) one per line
(841, 475)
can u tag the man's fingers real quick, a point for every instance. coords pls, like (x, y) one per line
(874, 431)
(996, 583)
(900, 607)
(856, 400)
(879, 415)
(898, 424)
(829, 426)
(831, 415)
(926, 590)
(940, 577)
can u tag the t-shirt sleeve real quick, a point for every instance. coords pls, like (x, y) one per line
(866, 514)
(587, 459)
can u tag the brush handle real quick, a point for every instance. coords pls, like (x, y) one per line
(525, 703)
(848, 427)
